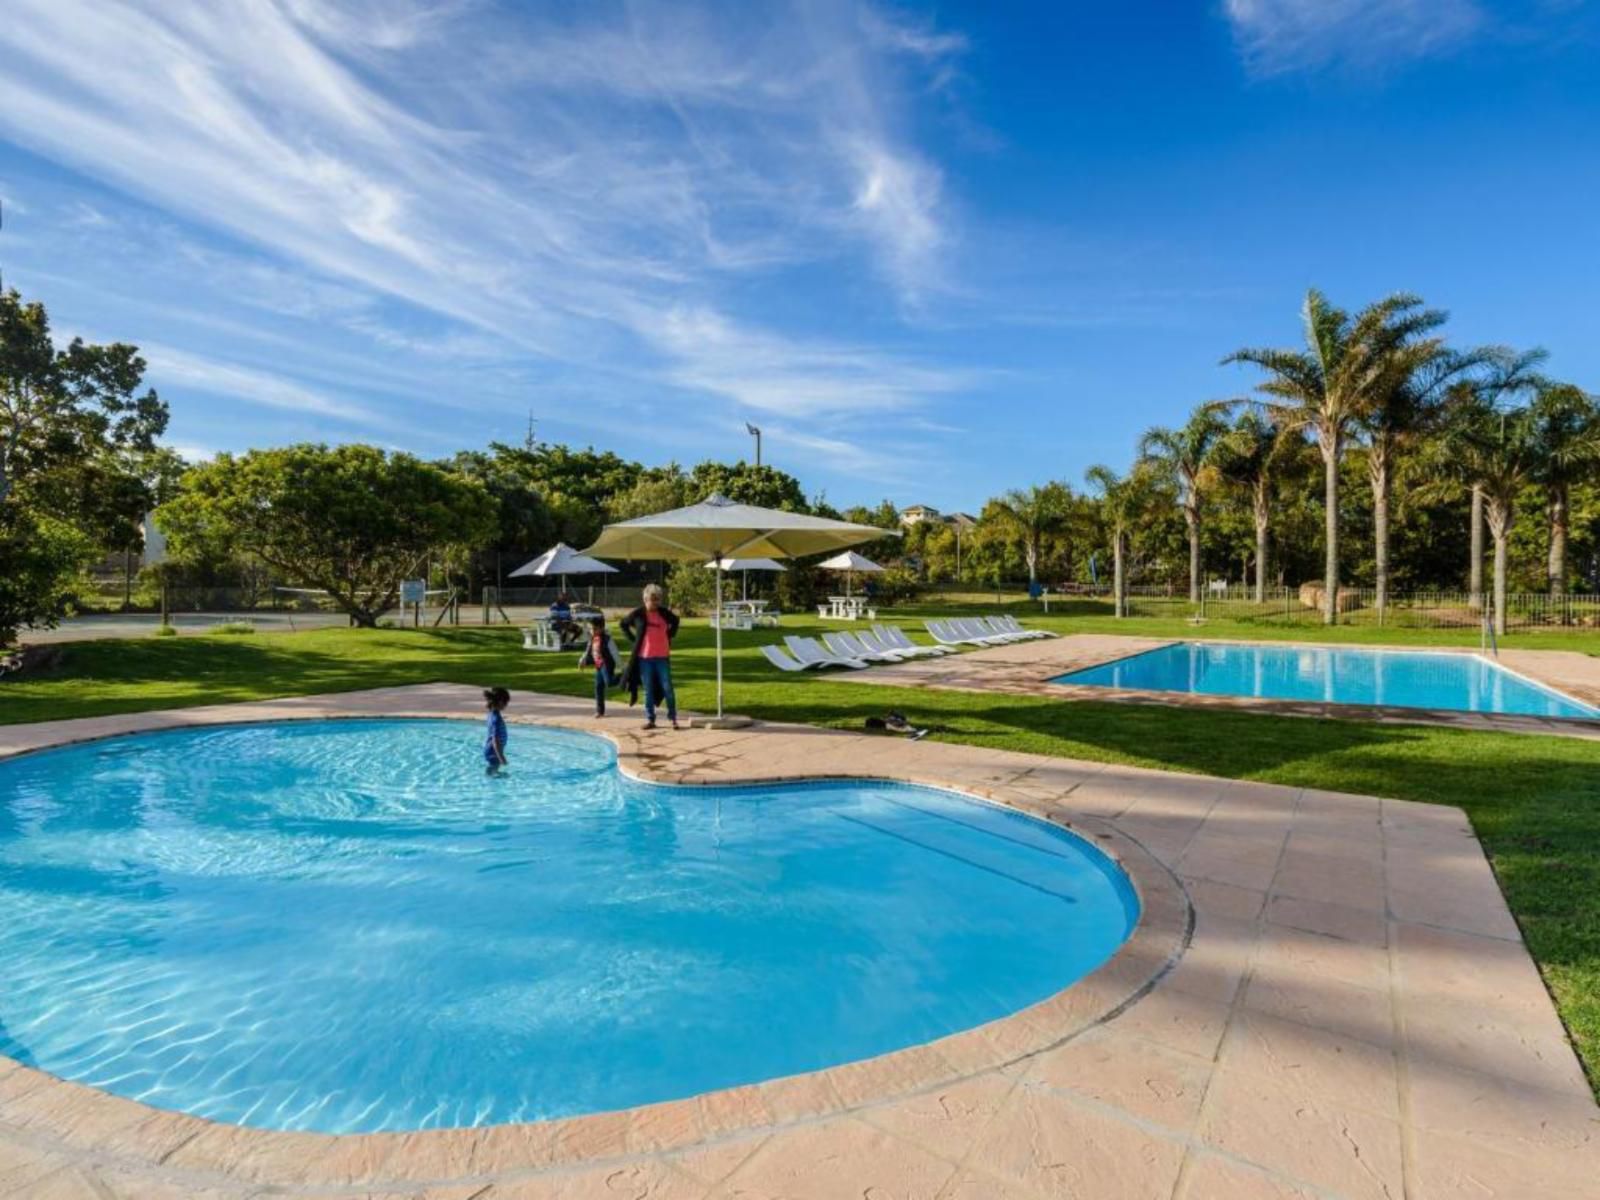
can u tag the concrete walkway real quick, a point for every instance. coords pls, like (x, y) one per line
(1326, 997)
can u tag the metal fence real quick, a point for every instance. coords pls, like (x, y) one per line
(1359, 606)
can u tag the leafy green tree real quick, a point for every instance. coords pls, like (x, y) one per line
(1491, 442)
(71, 421)
(1249, 457)
(1327, 388)
(1186, 455)
(764, 486)
(1125, 504)
(1028, 515)
(351, 520)
(1567, 428)
(657, 489)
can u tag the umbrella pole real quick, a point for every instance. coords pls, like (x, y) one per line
(718, 611)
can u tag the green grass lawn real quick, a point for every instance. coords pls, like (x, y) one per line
(1535, 801)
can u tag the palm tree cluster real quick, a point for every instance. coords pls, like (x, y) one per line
(1481, 421)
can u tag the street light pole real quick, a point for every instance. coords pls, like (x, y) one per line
(755, 433)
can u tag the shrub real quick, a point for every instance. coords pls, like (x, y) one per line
(165, 631)
(233, 628)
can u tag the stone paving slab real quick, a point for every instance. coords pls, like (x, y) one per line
(1326, 997)
(1031, 668)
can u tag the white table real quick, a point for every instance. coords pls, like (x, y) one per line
(744, 614)
(843, 608)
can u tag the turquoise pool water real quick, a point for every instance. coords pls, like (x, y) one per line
(345, 926)
(1338, 675)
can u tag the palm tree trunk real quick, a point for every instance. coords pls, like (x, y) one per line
(1118, 578)
(1559, 517)
(1192, 519)
(1499, 513)
(1379, 467)
(1263, 515)
(1475, 572)
(1330, 441)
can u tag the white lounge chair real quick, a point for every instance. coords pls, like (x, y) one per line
(998, 627)
(808, 652)
(979, 634)
(1016, 626)
(848, 645)
(889, 637)
(1001, 628)
(783, 662)
(941, 632)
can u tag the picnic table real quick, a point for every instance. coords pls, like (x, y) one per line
(745, 614)
(541, 633)
(843, 608)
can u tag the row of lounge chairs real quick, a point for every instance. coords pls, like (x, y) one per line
(983, 631)
(857, 651)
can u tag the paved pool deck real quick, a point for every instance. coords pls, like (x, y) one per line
(1030, 668)
(1326, 997)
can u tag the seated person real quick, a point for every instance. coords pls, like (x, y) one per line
(566, 629)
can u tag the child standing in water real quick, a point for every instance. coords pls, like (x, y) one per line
(494, 743)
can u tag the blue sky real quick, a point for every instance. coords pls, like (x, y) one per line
(934, 251)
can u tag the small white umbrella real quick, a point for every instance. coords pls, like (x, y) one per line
(562, 560)
(744, 566)
(850, 562)
(718, 528)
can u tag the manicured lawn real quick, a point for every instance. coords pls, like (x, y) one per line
(1535, 801)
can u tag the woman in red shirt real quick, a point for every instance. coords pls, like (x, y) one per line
(652, 626)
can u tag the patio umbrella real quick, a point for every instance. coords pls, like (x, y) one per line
(562, 560)
(719, 529)
(850, 562)
(745, 566)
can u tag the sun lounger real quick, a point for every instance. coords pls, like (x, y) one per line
(1004, 627)
(1000, 627)
(783, 662)
(978, 633)
(1016, 626)
(894, 638)
(872, 641)
(848, 645)
(809, 652)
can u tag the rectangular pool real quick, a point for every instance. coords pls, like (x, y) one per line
(1334, 675)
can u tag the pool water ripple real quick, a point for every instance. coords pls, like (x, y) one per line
(346, 926)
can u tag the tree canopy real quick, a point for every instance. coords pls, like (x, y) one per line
(351, 520)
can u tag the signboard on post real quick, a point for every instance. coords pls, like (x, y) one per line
(413, 591)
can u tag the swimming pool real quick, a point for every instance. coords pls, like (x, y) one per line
(345, 926)
(1336, 675)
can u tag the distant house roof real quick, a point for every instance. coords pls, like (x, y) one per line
(961, 518)
(922, 510)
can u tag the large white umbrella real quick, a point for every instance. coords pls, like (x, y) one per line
(744, 566)
(850, 562)
(717, 529)
(562, 560)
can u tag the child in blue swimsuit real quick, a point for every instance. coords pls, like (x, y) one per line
(494, 743)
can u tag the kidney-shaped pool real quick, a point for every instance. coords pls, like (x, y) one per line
(346, 926)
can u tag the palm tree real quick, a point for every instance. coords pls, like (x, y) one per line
(1496, 449)
(1404, 410)
(1330, 385)
(1185, 456)
(1125, 503)
(1567, 425)
(1031, 514)
(1249, 456)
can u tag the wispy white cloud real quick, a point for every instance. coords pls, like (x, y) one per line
(251, 385)
(578, 189)
(1277, 36)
